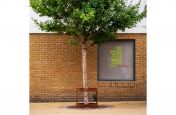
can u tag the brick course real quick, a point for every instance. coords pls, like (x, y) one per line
(55, 70)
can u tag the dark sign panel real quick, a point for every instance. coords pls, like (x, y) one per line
(116, 60)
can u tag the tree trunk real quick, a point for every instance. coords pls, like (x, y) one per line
(84, 70)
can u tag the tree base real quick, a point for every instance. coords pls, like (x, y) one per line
(90, 105)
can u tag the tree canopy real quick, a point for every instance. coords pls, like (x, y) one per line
(97, 20)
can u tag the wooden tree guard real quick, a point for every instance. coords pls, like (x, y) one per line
(91, 104)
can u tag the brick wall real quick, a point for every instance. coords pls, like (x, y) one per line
(55, 70)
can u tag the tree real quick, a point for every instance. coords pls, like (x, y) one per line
(87, 20)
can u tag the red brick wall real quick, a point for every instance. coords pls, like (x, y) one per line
(55, 70)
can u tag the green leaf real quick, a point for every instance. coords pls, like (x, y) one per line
(96, 20)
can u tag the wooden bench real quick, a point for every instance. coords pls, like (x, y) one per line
(92, 104)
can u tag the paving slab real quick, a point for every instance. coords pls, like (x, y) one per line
(112, 108)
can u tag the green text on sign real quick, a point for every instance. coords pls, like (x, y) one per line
(116, 56)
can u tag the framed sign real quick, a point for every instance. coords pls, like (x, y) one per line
(116, 61)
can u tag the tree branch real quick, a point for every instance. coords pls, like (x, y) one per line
(91, 45)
